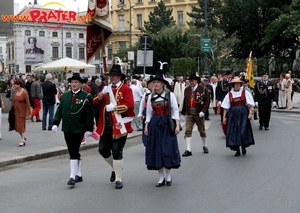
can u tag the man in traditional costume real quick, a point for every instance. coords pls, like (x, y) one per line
(77, 115)
(116, 112)
(195, 104)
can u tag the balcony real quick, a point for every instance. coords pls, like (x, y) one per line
(121, 29)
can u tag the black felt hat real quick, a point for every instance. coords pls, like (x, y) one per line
(193, 76)
(226, 72)
(76, 76)
(116, 70)
(160, 77)
(150, 80)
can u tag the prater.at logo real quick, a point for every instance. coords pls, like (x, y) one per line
(48, 16)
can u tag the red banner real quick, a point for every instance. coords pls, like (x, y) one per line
(101, 23)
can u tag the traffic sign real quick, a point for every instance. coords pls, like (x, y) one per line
(101, 63)
(206, 45)
(145, 41)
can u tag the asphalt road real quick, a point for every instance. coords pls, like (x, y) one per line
(266, 180)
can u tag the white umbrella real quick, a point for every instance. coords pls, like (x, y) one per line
(64, 64)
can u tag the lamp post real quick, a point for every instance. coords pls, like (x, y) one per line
(205, 33)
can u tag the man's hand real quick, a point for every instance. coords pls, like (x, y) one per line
(201, 114)
(110, 107)
(54, 128)
(105, 90)
(88, 134)
(274, 104)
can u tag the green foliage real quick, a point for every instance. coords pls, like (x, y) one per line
(182, 66)
(2, 86)
(158, 19)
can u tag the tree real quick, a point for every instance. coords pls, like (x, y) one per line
(159, 19)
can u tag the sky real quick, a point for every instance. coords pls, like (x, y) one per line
(72, 5)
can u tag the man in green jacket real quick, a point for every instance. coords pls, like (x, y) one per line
(77, 115)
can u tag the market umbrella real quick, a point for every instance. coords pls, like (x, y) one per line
(64, 64)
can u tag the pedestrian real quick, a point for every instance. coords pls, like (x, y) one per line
(49, 93)
(137, 95)
(288, 91)
(77, 115)
(195, 105)
(21, 106)
(29, 78)
(162, 153)
(264, 99)
(36, 97)
(281, 92)
(238, 111)
(214, 83)
(116, 112)
(143, 107)
(1, 108)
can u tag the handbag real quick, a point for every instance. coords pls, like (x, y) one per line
(172, 122)
(7, 94)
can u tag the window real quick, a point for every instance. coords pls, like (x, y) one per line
(81, 35)
(28, 68)
(81, 53)
(12, 52)
(54, 34)
(54, 52)
(9, 53)
(68, 35)
(1, 50)
(139, 1)
(97, 55)
(42, 33)
(139, 21)
(69, 52)
(180, 17)
(122, 44)
(121, 23)
(121, 1)
(27, 32)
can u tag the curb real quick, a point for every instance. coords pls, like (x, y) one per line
(53, 152)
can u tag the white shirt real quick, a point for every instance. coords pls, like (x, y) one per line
(249, 98)
(137, 94)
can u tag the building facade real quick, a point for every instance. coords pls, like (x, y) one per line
(38, 42)
(135, 12)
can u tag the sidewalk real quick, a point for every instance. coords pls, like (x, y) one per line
(39, 144)
(45, 144)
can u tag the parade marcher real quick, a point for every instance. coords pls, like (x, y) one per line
(143, 107)
(162, 152)
(49, 93)
(238, 110)
(222, 89)
(179, 88)
(195, 104)
(214, 84)
(211, 96)
(264, 99)
(77, 115)
(116, 112)
(1, 108)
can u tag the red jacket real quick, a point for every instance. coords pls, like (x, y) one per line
(123, 96)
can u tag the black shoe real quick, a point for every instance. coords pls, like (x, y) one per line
(244, 151)
(161, 184)
(71, 182)
(44, 129)
(205, 150)
(78, 179)
(266, 128)
(169, 183)
(119, 185)
(38, 120)
(113, 176)
(186, 153)
(31, 118)
(237, 154)
(207, 119)
(260, 127)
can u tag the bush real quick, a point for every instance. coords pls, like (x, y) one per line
(2, 86)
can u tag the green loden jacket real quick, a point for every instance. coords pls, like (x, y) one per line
(76, 116)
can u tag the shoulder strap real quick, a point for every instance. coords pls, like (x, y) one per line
(169, 102)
